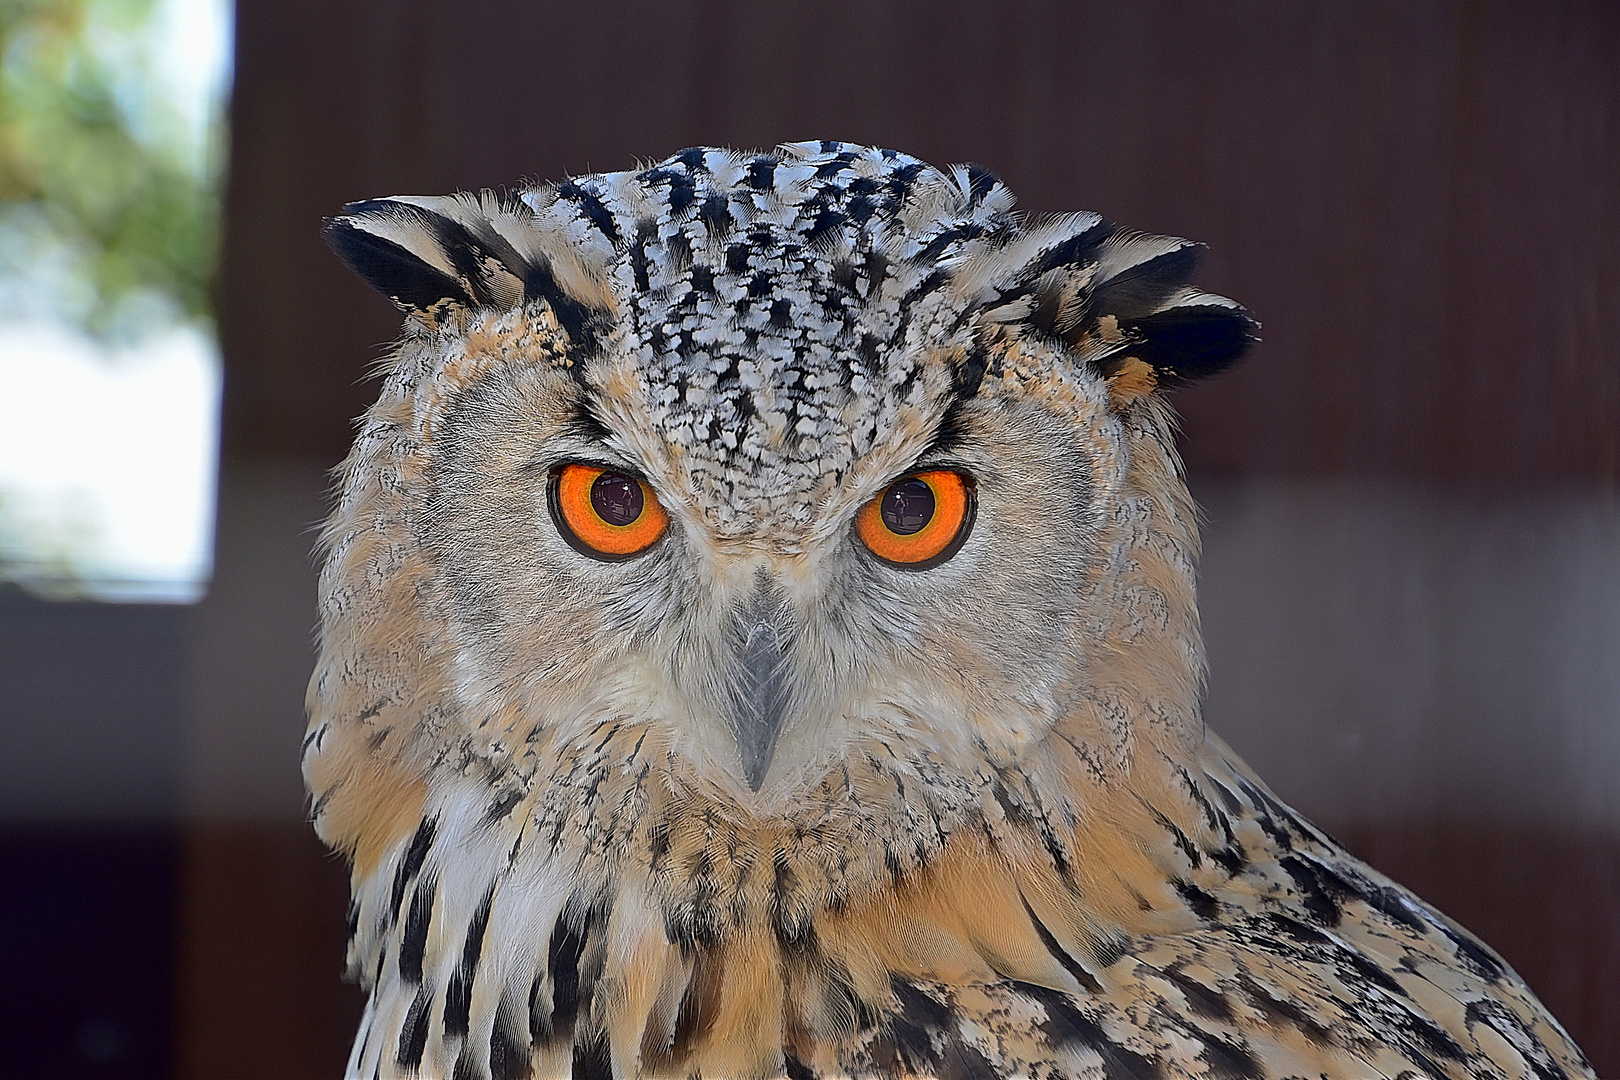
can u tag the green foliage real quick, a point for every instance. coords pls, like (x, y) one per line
(96, 165)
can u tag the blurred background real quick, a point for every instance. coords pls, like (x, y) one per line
(1411, 579)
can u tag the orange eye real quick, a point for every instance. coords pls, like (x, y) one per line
(918, 521)
(605, 514)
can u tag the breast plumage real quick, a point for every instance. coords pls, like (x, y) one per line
(758, 638)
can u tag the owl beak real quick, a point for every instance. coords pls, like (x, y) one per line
(761, 691)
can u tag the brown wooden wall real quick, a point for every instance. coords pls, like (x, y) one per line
(1420, 201)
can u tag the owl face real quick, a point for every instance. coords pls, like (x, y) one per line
(778, 459)
(762, 654)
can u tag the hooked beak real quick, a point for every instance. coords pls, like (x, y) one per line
(760, 694)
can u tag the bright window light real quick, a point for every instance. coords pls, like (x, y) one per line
(107, 463)
(111, 147)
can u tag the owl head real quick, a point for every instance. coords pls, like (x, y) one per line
(816, 488)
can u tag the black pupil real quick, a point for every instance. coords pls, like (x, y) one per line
(616, 498)
(907, 506)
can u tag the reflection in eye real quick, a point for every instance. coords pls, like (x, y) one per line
(617, 499)
(908, 506)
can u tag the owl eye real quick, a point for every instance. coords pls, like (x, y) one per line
(918, 521)
(605, 514)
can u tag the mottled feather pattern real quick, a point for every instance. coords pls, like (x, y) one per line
(994, 839)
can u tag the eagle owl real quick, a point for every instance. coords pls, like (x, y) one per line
(758, 639)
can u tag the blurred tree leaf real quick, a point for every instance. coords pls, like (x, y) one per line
(97, 160)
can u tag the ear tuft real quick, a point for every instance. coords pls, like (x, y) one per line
(1123, 302)
(1193, 334)
(386, 261)
(430, 254)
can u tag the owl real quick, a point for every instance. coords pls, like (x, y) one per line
(758, 639)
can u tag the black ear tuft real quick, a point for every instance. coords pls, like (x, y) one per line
(1117, 297)
(434, 254)
(1142, 300)
(391, 269)
(1192, 336)
(429, 254)
(1137, 289)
